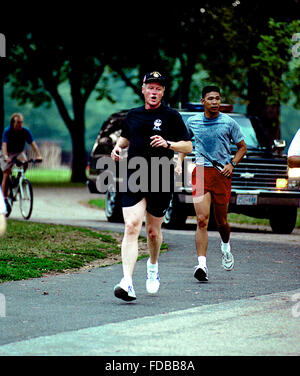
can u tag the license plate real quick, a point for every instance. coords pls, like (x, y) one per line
(246, 200)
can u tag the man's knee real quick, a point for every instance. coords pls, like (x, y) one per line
(202, 220)
(223, 225)
(153, 233)
(132, 227)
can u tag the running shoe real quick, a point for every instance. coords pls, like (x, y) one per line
(227, 260)
(152, 282)
(201, 273)
(124, 292)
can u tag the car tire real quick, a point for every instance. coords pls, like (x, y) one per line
(175, 216)
(283, 219)
(91, 186)
(113, 207)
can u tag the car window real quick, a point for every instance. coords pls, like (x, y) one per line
(247, 130)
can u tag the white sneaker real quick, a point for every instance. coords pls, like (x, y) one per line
(124, 291)
(227, 258)
(152, 282)
(201, 273)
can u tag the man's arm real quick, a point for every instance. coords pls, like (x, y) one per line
(294, 151)
(185, 147)
(178, 167)
(122, 143)
(241, 152)
(294, 161)
(4, 152)
(36, 150)
(179, 146)
(239, 155)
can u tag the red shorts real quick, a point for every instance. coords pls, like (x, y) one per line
(212, 181)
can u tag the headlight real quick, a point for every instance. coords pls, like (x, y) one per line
(281, 183)
(294, 172)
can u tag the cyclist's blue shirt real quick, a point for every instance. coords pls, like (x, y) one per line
(16, 140)
(213, 137)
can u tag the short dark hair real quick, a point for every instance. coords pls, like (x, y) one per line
(208, 89)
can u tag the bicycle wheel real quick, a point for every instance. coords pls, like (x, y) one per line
(26, 198)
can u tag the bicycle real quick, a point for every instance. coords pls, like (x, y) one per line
(20, 188)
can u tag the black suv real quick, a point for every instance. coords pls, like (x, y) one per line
(262, 184)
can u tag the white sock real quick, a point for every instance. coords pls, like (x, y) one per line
(225, 246)
(127, 280)
(152, 266)
(202, 261)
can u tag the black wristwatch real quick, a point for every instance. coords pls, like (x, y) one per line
(169, 144)
(233, 163)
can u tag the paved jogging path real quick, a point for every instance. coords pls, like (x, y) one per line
(255, 326)
(252, 310)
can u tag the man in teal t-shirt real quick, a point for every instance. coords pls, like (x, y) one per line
(213, 133)
(213, 137)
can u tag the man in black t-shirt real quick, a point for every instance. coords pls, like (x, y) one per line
(151, 133)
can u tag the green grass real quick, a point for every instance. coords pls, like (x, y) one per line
(56, 177)
(240, 218)
(99, 203)
(45, 175)
(28, 250)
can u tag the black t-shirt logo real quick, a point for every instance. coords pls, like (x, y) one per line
(157, 125)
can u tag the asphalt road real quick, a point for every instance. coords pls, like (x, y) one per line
(252, 310)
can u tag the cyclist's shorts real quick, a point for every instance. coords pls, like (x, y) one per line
(157, 202)
(4, 165)
(214, 182)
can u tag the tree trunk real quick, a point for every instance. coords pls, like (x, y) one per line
(76, 126)
(78, 151)
(187, 71)
(269, 114)
(77, 130)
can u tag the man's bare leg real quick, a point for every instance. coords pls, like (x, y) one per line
(224, 231)
(202, 209)
(154, 241)
(133, 218)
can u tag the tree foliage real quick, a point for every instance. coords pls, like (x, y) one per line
(244, 47)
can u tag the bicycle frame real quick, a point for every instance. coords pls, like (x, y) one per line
(22, 189)
(20, 177)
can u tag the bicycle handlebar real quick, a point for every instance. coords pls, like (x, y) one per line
(20, 163)
(35, 161)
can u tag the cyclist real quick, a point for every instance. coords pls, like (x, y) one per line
(13, 145)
